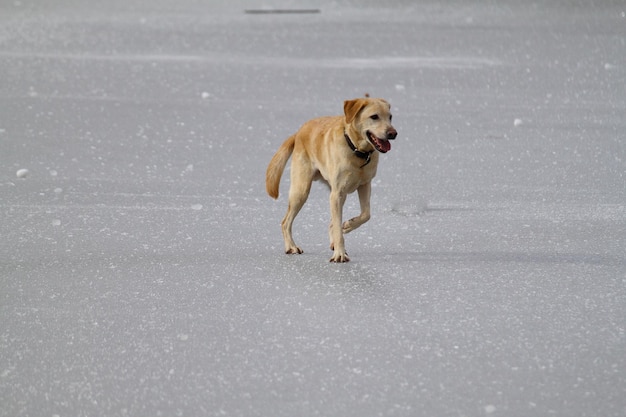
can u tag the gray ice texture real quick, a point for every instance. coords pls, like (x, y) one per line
(142, 270)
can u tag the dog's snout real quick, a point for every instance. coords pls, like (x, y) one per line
(392, 133)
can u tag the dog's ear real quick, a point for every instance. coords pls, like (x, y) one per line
(352, 107)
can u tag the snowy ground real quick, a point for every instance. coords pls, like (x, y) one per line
(141, 264)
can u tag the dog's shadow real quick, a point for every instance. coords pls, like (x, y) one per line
(314, 273)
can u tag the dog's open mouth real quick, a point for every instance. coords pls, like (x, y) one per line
(381, 145)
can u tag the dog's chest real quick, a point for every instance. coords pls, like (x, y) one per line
(350, 179)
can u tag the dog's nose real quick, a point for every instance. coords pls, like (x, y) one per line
(392, 133)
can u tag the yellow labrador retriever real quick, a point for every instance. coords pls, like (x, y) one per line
(342, 151)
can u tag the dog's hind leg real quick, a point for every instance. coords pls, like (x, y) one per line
(364, 191)
(301, 180)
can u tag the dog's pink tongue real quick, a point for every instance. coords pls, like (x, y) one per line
(385, 145)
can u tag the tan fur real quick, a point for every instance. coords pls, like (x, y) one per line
(320, 152)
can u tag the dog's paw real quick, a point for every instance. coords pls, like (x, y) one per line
(340, 258)
(348, 226)
(294, 250)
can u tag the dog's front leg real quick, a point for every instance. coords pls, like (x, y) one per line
(364, 191)
(337, 244)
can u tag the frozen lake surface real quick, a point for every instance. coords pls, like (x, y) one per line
(141, 264)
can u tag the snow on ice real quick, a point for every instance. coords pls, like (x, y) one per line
(143, 273)
(22, 173)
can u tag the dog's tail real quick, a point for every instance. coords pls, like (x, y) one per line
(277, 165)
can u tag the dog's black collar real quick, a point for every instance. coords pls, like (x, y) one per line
(363, 155)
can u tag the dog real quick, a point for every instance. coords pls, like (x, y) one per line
(341, 151)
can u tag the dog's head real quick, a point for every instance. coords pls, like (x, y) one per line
(370, 118)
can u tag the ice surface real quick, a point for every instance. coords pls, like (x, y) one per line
(141, 264)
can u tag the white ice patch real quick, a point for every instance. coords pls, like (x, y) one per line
(196, 207)
(188, 169)
(22, 173)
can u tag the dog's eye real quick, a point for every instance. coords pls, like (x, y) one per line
(374, 117)
(390, 117)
